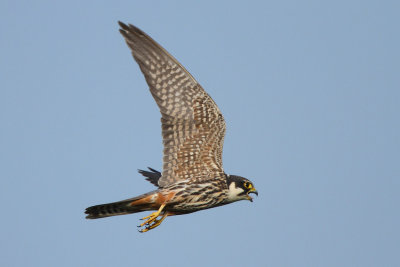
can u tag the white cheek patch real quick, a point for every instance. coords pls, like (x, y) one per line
(233, 193)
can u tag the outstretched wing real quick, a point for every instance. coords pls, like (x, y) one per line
(193, 127)
(152, 175)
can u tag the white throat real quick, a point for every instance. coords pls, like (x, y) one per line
(233, 193)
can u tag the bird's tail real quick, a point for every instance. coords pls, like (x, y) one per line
(128, 206)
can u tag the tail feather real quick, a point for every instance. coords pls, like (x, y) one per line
(117, 208)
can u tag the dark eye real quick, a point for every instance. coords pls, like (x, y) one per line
(247, 185)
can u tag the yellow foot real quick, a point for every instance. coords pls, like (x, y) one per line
(154, 223)
(152, 217)
(151, 220)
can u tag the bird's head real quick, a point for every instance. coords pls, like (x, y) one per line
(239, 188)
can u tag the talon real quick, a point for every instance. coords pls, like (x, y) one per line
(144, 230)
(151, 219)
(153, 223)
(157, 222)
(148, 222)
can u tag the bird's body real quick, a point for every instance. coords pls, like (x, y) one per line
(181, 198)
(193, 131)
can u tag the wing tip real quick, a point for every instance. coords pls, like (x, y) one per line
(127, 29)
(122, 25)
(153, 176)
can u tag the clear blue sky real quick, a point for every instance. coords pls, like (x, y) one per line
(310, 91)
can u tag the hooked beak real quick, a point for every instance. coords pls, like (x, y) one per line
(254, 191)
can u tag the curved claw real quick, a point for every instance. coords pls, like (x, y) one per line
(154, 223)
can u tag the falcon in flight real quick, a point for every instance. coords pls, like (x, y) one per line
(193, 131)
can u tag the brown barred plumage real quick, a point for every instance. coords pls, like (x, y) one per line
(193, 131)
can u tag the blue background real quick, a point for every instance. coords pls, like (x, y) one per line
(310, 93)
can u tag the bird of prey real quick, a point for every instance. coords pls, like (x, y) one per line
(193, 131)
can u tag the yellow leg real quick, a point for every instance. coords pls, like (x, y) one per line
(155, 223)
(152, 217)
